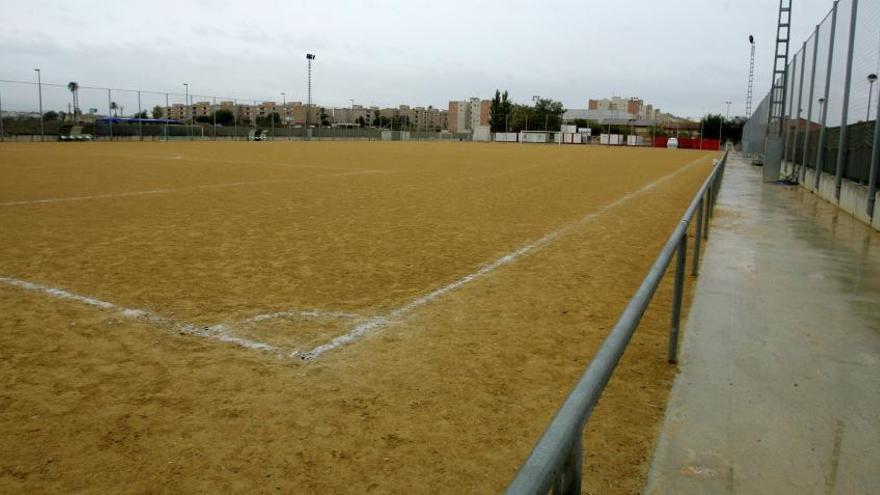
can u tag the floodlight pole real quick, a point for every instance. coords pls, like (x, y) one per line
(40, 97)
(234, 120)
(309, 58)
(872, 78)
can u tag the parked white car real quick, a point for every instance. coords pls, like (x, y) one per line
(672, 143)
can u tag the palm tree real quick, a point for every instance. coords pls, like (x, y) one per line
(74, 90)
(113, 107)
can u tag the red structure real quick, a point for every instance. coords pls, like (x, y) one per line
(689, 143)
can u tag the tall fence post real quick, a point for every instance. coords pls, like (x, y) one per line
(808, 132)
(797, 120)
(790, 70)
(681, 259)
(140, 119)
(2, 134)
(844, 114)
(110, 112)
(214, 113)
(234, 120)
(167, 116)
(875, 164)
(820, 144)
(698, 238)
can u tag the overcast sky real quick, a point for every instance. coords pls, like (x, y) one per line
(684, 56)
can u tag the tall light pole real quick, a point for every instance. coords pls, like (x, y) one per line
(188, 108)
(40, 97)
(751, 77)
(284, 105)
(872, 78)
(308, 133)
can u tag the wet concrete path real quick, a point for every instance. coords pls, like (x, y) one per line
(779, 387)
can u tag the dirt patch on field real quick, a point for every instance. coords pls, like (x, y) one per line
(448, 398)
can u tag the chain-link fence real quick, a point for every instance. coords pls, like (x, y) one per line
(39, 110)
(832, 101)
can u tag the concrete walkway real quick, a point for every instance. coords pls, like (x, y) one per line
(779, 389)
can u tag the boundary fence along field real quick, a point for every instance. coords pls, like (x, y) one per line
(112, 114)
(556, 461)
(830, 120)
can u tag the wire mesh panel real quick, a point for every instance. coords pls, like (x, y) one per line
(791, 87)
(809, 126)
(862, 114)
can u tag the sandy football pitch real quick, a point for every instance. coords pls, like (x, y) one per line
(323, 317)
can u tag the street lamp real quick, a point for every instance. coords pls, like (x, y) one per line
(309, 58)
(872, 78)
(40, 96)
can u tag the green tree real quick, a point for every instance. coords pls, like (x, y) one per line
(267, 121)
(50, 115)
(157, 112)
(325, 118)
(114, 107)
(141, 115)
(500, 111)
(224, 117)
(361, 122)
(711, 125)
(73, 86)
(549, 114)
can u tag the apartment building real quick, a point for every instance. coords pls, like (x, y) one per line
(467, 115)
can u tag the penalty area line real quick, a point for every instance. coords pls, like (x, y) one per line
(377, 322)
(215, 332)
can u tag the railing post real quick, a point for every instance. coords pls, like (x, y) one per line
(698, 237)
(708, 216)
(681, 258)
(568, 479)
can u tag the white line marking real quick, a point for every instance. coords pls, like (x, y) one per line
(216, 332)
(54, 292)
(187, 188)
(302, 313)
(380, 321)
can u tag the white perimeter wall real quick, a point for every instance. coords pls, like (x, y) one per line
(853, 196)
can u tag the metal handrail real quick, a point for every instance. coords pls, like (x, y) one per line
(556, 460)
